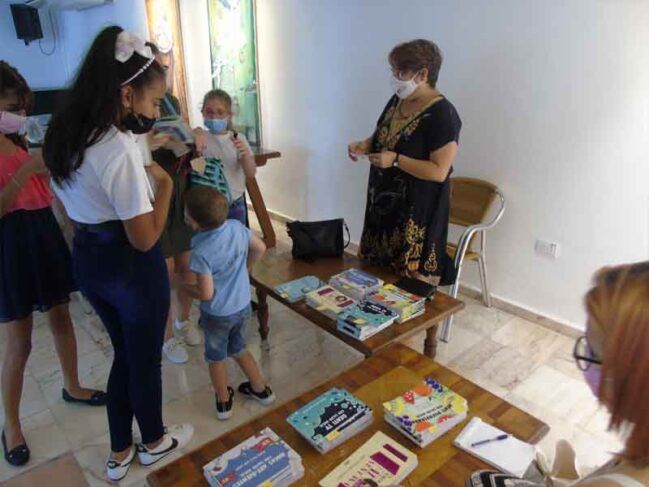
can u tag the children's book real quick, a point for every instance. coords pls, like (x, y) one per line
(405, 304)
(426, 412)
(296, 290)
(263, 459)
(355, 283)
(365, 319)
(331, 418)
(381, 461)
(329, 301)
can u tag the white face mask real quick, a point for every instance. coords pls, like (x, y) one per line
(404, 89)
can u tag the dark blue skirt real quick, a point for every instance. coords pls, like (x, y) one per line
(35, 264)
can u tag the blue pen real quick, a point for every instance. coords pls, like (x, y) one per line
(484, 442)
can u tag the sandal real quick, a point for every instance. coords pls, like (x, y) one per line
(97, 399)
(18, 456)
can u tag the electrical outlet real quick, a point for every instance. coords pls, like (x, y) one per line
(547, 249)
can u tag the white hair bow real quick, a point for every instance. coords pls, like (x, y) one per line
(127, 43)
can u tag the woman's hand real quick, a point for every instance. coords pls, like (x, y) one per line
(356, 148)
(242, 148)
(383, 160)
(159, 175)
(200, 140)
(35, 164)
(159, 140)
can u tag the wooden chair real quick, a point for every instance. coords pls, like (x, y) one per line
(471, 201)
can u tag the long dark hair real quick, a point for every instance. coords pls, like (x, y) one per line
(12, 83)
(93, 104)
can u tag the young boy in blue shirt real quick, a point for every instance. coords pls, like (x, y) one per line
(222, 253)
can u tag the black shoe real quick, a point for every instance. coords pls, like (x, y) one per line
(266, 397)
(18, 456)
(97, 399)
(224, 409)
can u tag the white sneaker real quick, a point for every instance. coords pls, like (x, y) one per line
(175, 351)
(115, 470)
(189, 331)
(175, 438)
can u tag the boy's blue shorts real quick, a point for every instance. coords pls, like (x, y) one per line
(225, 336)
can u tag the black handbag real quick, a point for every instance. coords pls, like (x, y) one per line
(318, 239)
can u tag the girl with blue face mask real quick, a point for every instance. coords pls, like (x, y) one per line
(230, 147)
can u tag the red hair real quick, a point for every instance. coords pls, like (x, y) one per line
(618, 311)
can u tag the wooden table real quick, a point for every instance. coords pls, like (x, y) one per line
(278, 266)
(377, 379)
(261, 158)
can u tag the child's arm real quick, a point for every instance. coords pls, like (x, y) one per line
(202, 289)
(246, 159)
(256, 249)
(8, 194)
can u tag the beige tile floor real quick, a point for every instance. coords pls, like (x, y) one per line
(526, 364)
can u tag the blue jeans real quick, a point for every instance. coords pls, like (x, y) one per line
(225, 336)
(129, 290)
(238, 210)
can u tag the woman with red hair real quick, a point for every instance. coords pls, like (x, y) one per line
(614, 356)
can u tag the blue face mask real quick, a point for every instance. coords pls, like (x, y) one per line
(216, 125)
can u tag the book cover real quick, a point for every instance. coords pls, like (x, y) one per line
(213, 176)
(426, 409)
(367, 313)
(327, 417)
(294, 291)
(357, 279)
(406, 304)
(381, 461)
(263, 459)
(329, 301)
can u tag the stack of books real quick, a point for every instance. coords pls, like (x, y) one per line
(380, 461)
(329, 301)
(355, 283)
(365, 319)
(296, 290)
(405, 304)
(331, 419)
(426, 412)
(263, 459)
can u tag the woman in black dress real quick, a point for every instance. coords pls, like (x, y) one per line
(411, 153)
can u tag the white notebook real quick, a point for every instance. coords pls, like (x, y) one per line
(510, 456)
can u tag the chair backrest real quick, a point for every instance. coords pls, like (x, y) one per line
(470, 200)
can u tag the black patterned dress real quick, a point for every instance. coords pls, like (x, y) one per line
(406, 218)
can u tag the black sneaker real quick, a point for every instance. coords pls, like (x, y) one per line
(224, 409)
(266, 397)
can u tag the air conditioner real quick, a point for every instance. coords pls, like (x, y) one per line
(62, 4)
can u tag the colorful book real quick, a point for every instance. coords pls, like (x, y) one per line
(355, 283)
(426, 412)
(330, 419)
(212, 176)
(365, 319)
(263, 459)
(405, 304)
(329, 301)
(296, 290)
(381, 461)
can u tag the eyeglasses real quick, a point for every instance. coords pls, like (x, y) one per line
(584, 355)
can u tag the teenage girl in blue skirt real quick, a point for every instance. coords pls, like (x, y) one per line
(35, 267)
(95, 151)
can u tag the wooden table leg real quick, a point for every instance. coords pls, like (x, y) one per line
(430, 343)
(259, 206)
(262, 314)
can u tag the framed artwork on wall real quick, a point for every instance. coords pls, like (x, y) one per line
(233, 49)
(163, 18)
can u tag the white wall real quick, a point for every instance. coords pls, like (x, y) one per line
(75, 32)
(553, 96)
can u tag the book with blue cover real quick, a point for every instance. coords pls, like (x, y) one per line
(263, 459)
(296, 290)
(365, 319)
(213, 176)
(330, 419)
(355, 283)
